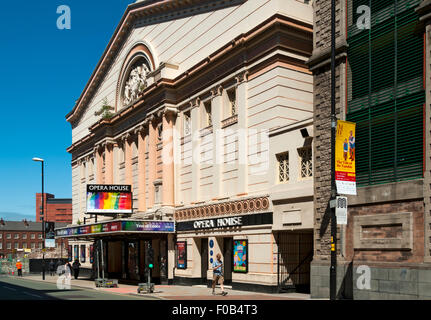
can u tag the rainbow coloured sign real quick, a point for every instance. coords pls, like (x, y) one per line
(109, 199)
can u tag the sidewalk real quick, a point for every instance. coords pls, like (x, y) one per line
(177, 292)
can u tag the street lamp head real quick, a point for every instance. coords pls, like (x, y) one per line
(37, 159)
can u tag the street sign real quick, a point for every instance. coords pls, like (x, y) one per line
(341, 210)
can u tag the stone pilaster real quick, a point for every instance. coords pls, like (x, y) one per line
(168, 192)
(242, 109)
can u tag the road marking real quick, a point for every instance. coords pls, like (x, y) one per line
(9, 288)
(31, 294)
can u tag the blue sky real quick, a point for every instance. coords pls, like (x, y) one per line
(43, 71)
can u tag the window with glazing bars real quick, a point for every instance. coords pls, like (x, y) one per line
(283, 167)
(385, 91)
(306, 162)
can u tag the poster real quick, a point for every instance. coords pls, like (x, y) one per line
(109, 199)
(69, 253)
(182, 255)
(240, 256)
(82, 252)
(345, 158)
(76, 252)
(91, 253)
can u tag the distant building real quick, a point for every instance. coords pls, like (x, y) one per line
(17, 236)
(56, 210)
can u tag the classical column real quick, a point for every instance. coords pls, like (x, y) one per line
(142, 142)
(128, 159)
(152, 160)
(243, 133)
(171, 258)
(109, 163)
(99, 165)
(169, 117)
(217, 158)
(195, 150)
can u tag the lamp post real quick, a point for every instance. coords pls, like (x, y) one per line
(333, 268)
(43, 222)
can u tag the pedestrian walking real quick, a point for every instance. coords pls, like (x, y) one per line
(19, 268)
(52, 268)
(218, 274)
(75, 267)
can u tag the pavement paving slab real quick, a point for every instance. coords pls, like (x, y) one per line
(177, 292)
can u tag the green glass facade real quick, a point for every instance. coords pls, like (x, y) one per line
(386, 93)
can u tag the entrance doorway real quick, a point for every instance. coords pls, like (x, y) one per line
(227, 259)
(133, 260)
(204, 260)
(295, 252)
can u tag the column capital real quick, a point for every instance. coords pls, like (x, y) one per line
(242, 77)
(195, 102)
(216, 91)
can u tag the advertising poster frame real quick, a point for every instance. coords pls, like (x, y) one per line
(109, 199)
(244, 244)
(181, 254)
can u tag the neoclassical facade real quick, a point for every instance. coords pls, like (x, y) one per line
(206, 109)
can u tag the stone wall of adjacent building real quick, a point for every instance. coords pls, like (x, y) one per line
(388, 225)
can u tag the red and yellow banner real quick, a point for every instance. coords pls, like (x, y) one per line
(345, 158)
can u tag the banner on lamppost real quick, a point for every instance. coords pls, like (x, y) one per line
(345, 158)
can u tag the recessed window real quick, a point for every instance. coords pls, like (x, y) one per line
(207, 114)
(16, 244)
(39, 236)
(24, 245)
(24, 236)
(187, 123)
(283, 167)
(33, 236)
(16, 236)
(33, 245)
(160, 131)
(9, 236)
(9, 245)
(306, 161)
(232, 102)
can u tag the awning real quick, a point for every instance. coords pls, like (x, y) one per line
(112, 227)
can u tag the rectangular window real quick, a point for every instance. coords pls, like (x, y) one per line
(24, 245)
(33, 245)
(33, 236)
(1, 245)
(16, 245)
(386, 92)
(9, 236)
(306, 162)
(24, 236)
(40, 245)
(16, 236)
(1, 235)
(187, 123)
(9, 245)
(283, 167)
(39, 236)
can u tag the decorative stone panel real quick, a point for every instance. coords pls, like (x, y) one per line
(392, 231)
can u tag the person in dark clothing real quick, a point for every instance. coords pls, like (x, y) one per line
(75, 267)
(52, 267)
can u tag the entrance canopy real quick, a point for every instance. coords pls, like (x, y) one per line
(116, 227)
